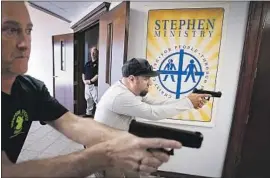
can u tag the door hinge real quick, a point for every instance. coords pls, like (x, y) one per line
(255, 75)
(237, 161)
(247, 119)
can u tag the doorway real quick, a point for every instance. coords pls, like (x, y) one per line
(91, 38)
(86, 34)
(92, 30)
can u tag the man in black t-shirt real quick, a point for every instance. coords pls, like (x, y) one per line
(90, 79)
(26, 99)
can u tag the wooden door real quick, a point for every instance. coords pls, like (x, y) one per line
(63, 61)
(255, 154)
(113, 42)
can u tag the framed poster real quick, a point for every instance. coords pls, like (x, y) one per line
(184, 46)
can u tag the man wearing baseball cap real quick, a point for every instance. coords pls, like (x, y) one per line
(128, 99)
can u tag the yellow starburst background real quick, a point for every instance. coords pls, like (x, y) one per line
(207, 45)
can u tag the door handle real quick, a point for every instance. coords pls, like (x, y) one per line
(55, 76)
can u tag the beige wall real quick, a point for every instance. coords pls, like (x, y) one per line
(45, 26)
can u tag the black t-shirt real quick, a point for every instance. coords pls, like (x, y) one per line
(90, 70)
(29, 101)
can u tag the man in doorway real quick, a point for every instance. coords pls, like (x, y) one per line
(26, 99)
(90, 79)
(128, 98)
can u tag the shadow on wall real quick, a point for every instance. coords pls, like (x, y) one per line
(138, 26)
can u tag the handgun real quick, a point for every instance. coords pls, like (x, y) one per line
(186, 138)
(212, 93)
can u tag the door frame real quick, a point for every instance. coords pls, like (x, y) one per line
(91, 18)
(256, 17)
(53, 72)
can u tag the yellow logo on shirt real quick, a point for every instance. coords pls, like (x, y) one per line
(17, 122)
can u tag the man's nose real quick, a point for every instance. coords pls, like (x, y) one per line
(23, 41)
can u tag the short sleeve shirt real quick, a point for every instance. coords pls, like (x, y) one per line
(29, 101)
(90, 70)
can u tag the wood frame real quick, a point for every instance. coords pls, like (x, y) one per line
(91, 18)
(109, 54)
(175, 175)
(248, 70)
(53, 61)
(79, 41)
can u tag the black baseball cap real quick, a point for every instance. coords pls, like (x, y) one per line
(138, 67)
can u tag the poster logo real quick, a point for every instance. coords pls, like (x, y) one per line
(180, 72)
(184, 46)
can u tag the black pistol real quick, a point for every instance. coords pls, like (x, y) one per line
(212, 93)
(186, 138)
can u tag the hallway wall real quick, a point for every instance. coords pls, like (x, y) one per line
(40, 62)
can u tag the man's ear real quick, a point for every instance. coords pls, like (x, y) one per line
(131, 78)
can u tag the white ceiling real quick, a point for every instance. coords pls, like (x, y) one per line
(67, 9)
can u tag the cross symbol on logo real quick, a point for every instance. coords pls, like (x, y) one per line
(179, 72)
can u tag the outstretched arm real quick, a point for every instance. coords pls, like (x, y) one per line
(127, 104)
(159, 101)
(84, 131)
(81, 130)
(79, 164)
(126, 152)
(130, 105)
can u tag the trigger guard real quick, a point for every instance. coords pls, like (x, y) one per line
(207, 98)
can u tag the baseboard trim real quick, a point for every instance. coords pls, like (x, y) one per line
(175, 175)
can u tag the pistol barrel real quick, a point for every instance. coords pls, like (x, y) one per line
(212, 93)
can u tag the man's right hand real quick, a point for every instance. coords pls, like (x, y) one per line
(126, 152)
(130, 152)
(198, 100)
